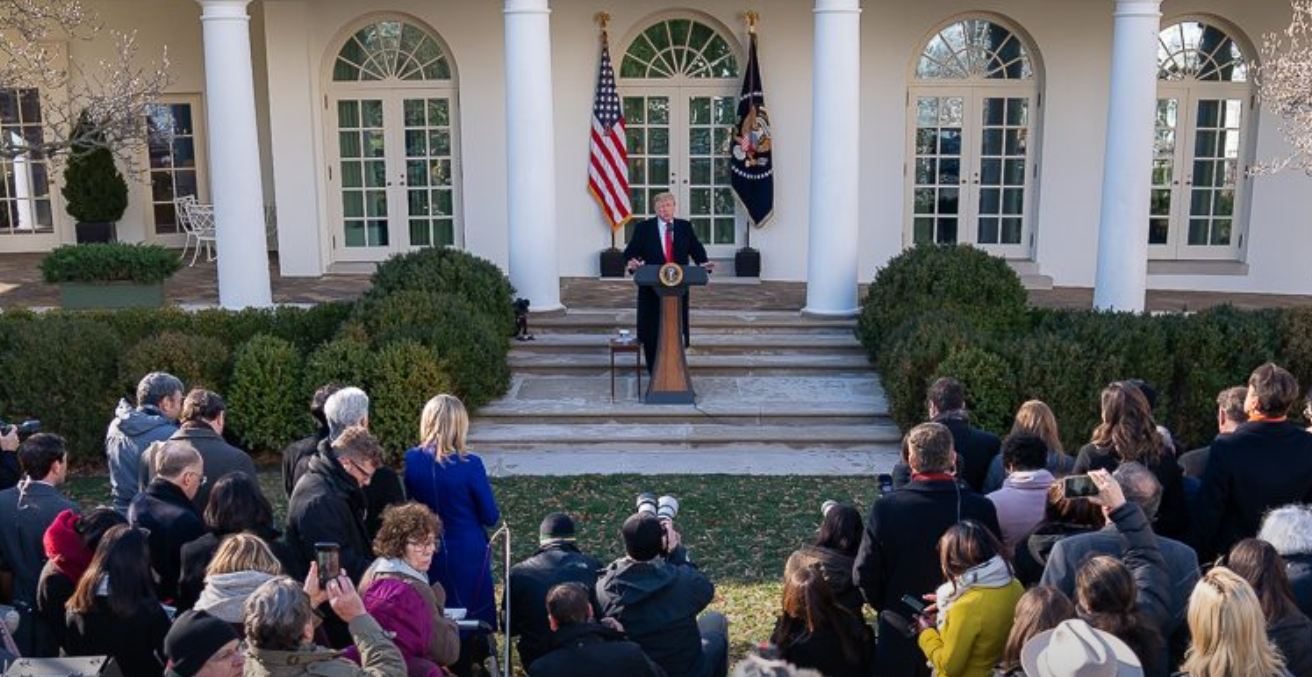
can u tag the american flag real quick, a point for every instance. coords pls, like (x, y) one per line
(608, 165)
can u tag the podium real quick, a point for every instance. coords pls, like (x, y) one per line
(670, 382)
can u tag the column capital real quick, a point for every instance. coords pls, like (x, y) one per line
(837, 6)
(527, 7)
(224, 9)
(1140, 8)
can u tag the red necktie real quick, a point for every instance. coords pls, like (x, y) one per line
(669, 243)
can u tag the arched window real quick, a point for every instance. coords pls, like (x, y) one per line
(679, 84)
(1204, 104)
(392, 125)
(973, 122)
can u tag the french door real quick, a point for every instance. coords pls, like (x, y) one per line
(1198, 176)
(971, 171)
(678, 141)
(393, 173)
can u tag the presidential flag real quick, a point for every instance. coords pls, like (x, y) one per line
(752, 160)
(608, 166)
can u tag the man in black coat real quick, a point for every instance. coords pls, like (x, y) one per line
(655, 593)
(166, 509)
(203, 418)
(976, 448)
(1265, 463)
(296, 457)
(898, 554)
(328, 504)
(26, 511)
(581, 647)
(659, 240)
(558, 560)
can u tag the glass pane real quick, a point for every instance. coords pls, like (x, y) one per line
(352, 177)
(417, 202)
(659, 142)
(660, 172)
(700, 170)
(1221, 232)
(926, 170)
(988, 231)
(923, 231)
(1158, 229)
(372, 113)
(1200, 203)
(348, 114)
(992, 144)
(352, 204)
(949, 142)
(375, 173)
(633, 110)
(948, 201)
(947, 231)
(701, 201)
(927, 111)
(1015, 172)
(724, 231)
(1011, 231)
(699, 141)
(724, 201)
(445, 232)
(990, 201)
(439, 142)
(374, 144)
(994, 112)
(1198, 231)
(416, 173)
(441, 201)
(414, 113)
(439, 112)
(420, 234)
(349, 143)
(926, 141)
(1013, 201)
(415, 145)
(354, 234)
(702, 226)
(377, 231)
(699, 111)
(375, 203)
(658, 110)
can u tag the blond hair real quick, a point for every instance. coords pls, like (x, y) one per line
(243, 552)
(1229, 630)
(1036, 418)
(443, 427)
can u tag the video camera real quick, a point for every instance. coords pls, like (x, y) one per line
(665, 508)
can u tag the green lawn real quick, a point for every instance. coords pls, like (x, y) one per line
(739, 529)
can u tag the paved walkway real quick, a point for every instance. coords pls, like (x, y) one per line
(21, 286)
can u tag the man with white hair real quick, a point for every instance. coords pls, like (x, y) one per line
(1289, 530)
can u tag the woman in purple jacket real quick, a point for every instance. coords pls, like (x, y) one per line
(452, 482)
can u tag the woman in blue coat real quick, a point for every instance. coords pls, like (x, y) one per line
(453, 483)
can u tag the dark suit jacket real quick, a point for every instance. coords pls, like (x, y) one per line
(898, 557)
(1261, 465)
(24, 517)
(976, 449)
(173, 521)
(646, 245)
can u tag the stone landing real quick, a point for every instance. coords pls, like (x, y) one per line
(777, 394)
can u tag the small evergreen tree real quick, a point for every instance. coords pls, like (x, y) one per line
(94, 189)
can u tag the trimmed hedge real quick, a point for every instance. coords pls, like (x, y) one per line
(109, 262)
(1063, 357)
(446, 331)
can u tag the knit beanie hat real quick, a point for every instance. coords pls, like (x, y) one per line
(556, 527)
(642, 537)
(63, 545)
(193, 640)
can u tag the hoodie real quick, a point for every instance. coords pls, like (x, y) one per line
(224, 596)
(131, 431)
(657, 602)
(1020, 504)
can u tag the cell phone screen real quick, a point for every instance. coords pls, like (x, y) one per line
(1079, 486)
(915, 604)
(328, 556)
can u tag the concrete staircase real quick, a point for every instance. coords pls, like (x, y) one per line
(777, 394)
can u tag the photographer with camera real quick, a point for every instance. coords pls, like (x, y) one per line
(11, 436)
(655, 592)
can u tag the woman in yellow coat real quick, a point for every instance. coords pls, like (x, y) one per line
(965, 632)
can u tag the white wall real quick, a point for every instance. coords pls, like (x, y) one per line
(1072, 37)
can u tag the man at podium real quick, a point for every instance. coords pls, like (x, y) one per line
(659, 240)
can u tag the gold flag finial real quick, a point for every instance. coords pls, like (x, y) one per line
(602, 19)
(752, 16)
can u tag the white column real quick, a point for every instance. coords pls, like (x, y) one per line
(1122, 276)
(831, 274)
(234, 152)
(531, 155)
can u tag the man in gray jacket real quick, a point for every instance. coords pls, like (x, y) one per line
(26, 511)
(159, 402)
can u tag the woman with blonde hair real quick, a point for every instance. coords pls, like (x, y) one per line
(242, 563)
(1033, 418)
(1128, 433)
(1228, 631)
(443, 475)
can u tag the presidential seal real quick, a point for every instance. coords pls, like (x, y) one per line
(671, 275)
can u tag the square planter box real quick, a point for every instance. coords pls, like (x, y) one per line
(86, 295)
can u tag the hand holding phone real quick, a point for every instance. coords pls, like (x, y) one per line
(1078, 486)
(329, 558)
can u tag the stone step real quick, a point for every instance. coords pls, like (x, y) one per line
(698, 365)
(719, 321)
(691, 434)
(705, 343)
(728, 459)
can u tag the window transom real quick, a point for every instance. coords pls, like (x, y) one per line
(975, 49)
(391, 50)
(679, 48)
(1195, 50)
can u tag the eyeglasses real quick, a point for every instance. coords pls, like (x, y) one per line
(368, 474)
(430, 544)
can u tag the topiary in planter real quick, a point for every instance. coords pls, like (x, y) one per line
(109, 262)
(94, 190)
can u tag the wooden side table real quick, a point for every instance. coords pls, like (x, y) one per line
(631, 345)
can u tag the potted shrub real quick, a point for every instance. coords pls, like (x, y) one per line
(94, 190)
(110, 274)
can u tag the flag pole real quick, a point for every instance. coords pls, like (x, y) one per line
(752, 17)
(602, 20)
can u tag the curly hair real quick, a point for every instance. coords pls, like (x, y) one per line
(402, 523)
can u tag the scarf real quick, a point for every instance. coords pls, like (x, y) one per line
(992, 574)
(64, 547)
(225, 594)
(396, 565)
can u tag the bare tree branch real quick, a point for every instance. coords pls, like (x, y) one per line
(1284, 86)
(115, 91)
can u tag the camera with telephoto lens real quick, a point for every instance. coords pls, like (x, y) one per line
(25, 429)
(664, 508)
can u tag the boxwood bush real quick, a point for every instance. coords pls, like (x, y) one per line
(109, 262)
(449, 272)
(266, 403)
(200, 361)
(405, 375)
